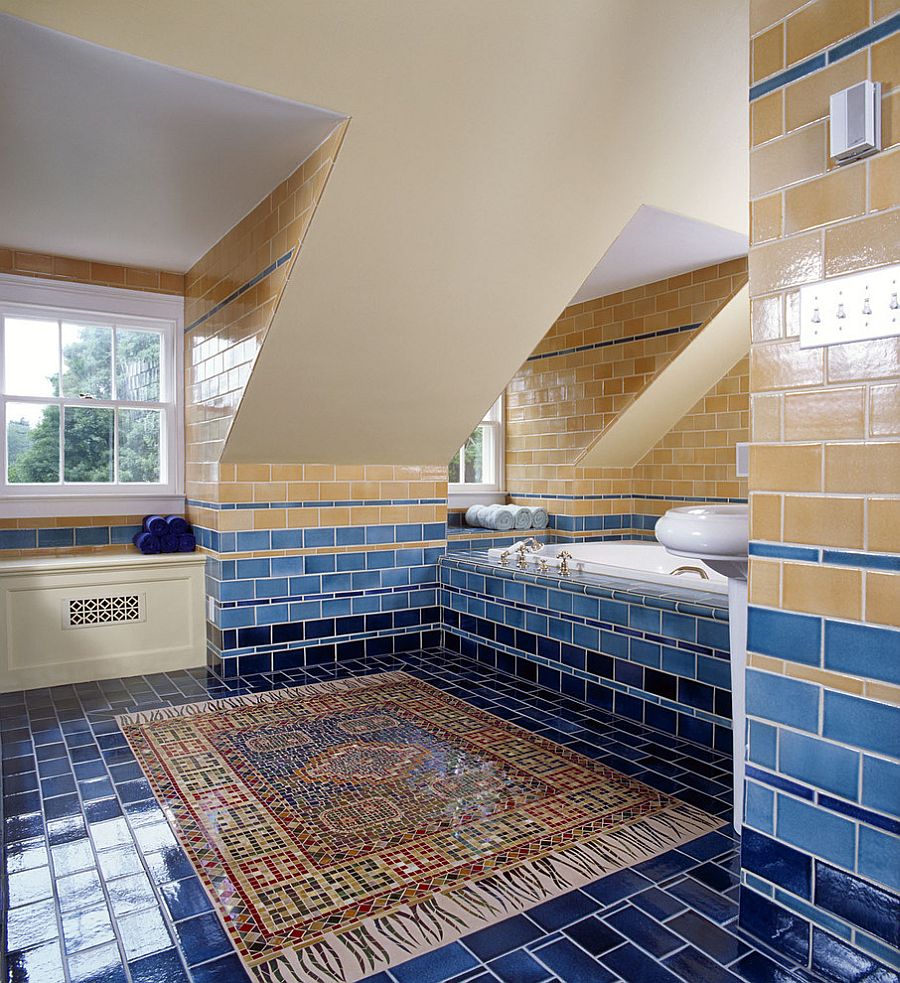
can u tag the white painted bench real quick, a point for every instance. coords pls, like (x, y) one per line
(69, 619)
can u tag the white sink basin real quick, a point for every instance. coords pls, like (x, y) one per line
(716, 534)
(719, 535)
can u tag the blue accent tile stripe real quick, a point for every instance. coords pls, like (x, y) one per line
(835, 53)
(615, 341)
(242, 289)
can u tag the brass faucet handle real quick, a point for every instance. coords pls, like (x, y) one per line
(532, 544)
(504, 558)
(564, 556)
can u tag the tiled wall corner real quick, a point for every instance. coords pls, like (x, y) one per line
(307, 562)
(821, 856)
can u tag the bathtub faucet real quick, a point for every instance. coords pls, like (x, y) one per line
(563, 556)
(533, 545)
(522, 562)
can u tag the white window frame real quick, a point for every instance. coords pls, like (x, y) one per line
(465, 493)
(35, 297)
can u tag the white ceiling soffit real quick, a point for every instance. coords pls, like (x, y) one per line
(106, 156)
(656, 244)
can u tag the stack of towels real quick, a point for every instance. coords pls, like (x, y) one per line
(504, 518)
(165, 534)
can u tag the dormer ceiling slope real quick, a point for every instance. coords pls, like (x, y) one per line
(495, 151)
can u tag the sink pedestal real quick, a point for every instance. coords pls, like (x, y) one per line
(718, 535)
(737, 639)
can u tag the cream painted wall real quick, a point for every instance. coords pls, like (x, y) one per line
(494, 153)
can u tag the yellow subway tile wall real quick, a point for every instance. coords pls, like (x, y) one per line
(21, 262)
(825, 502)
(562, 399)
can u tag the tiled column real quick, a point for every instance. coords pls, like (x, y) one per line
(821, 851)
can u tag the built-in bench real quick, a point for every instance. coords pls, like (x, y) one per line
(78, 617)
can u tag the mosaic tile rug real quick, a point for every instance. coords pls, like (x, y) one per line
(343, 827)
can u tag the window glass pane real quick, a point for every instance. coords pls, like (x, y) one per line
(137, 365)
(87, 361)
(139, 442)
(473, 454)
(32, 443)
(32, 357)
(454, 469)
(88, 443)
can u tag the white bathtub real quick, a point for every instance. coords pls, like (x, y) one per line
(647, 562)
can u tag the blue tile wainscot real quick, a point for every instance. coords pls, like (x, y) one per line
(657, 655)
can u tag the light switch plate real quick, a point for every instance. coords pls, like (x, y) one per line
(858, 307)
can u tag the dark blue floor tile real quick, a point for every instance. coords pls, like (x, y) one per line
(100, 965)
(572, 965)
(43, 962)
(713, 905)
(518, 967)
(837, 961)
(708, 846)
(563, 910)
(644, 931)
(162, 967)
(631, 964)
(185, 898)
(714, 941)
(511, 933)
(594, 936)
(657, 903)
(666, 865)
(617, 886)
(435, 967)
(202, 938)
(693, 966)
(228, 969)
(757, 968)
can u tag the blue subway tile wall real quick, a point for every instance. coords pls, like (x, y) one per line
(67, 537)
(599, 640)
(821, 846)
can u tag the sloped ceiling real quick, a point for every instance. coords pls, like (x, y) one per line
(494, 153)
(110, 157)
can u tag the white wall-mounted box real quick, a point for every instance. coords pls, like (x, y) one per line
(855, 122)
(858, 307)
(70, 619)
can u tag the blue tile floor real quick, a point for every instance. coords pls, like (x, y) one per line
(95, 887)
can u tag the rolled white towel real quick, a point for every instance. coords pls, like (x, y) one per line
(499, 518)
(472, 515)
(539, 518)
(521, 516)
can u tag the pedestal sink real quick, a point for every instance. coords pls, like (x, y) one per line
(718, 535)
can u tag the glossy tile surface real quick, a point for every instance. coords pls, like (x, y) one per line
(76, 807)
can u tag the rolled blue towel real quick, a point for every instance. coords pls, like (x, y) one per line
(539, 518)
(187, 543)
(480, 515)
(521, 516)
(472, 513)
(168, 543)
(500, 518)
(147, 543)
(155, 524)
(177, 525)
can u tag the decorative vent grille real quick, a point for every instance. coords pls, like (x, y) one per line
(88, 612)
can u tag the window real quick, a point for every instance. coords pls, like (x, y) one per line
(478, 465)
(88, 395)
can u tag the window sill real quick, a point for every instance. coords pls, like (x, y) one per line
(463, 499)
(51, 506)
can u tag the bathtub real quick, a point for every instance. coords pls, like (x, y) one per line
(643, 561)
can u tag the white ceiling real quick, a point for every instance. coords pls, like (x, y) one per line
(106, 156)
(656, 244)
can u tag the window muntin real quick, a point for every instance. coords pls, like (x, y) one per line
(88, 403)
(478, 465)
